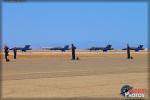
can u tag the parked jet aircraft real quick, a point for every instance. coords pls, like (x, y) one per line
(24, 49)
(66, 47)
(104, 49)
(136, 49)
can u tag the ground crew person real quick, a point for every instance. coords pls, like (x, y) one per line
(6, 51)
(128, 52)
(73, 52)
(15, 52)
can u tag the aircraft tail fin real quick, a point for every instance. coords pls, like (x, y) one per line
(66, 47)
(140, 46)
(27, 46)
(108, 46)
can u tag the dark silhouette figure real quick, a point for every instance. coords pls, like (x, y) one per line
(73, 52)
(6, 51)
(15, 52)
(128, 52)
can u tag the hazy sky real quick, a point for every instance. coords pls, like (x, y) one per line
(85, 24)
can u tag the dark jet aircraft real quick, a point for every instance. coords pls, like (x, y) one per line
(136, 49)
(104, 49)
(63, 49)
(23, 49)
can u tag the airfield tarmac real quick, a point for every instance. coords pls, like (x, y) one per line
(55, 75)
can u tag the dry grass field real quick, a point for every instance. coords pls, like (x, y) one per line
(53, 74)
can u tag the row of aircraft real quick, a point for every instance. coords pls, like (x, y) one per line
(104, 49)
(66, 47)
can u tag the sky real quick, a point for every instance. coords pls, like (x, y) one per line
(85, 24)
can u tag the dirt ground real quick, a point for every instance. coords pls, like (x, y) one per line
(101, 76)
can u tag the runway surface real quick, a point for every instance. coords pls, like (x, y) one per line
(62, 77)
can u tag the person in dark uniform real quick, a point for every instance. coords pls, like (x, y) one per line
(6, 51)
(73, 52)
(128, 52)
(15, 52)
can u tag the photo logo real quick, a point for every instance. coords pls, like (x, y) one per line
(129, 91)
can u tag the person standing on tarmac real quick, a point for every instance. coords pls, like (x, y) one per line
(15, 52)
(128, 52)
(6, 51)
(73, 52)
